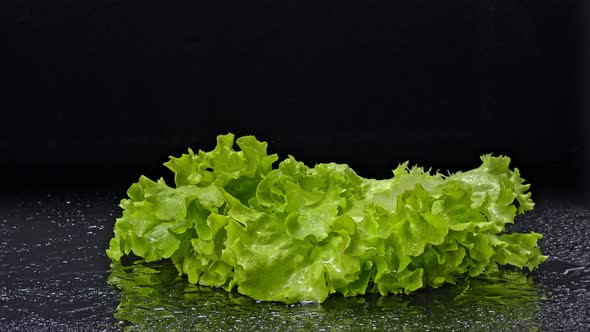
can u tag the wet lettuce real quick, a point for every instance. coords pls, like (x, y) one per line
(295, 233)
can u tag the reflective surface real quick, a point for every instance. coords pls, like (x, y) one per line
(155, 300)
(55, 276)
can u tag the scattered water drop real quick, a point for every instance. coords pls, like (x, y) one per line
(574, 269)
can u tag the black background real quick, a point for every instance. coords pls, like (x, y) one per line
(100, 92)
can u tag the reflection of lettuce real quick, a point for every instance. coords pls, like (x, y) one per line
(155, 298)
(295, 233)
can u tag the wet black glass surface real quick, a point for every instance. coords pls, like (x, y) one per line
(55, 276)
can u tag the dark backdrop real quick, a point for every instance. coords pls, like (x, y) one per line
(100, 92)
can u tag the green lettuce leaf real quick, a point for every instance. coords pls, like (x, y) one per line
(295, 233)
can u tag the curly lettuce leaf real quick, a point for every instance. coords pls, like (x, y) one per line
(296, 233)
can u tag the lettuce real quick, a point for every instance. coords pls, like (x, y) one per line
(295, 233)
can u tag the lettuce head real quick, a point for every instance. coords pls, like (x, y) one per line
(290, 233)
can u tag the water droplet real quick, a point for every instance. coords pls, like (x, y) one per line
(574, 269)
